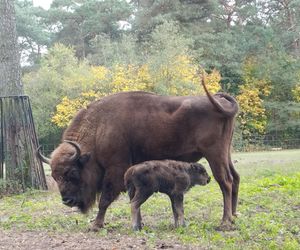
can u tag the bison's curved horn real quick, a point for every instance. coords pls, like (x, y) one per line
(78, 151)
(41, 156)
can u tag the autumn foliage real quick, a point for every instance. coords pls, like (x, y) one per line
(252, 116)
(68, 85)
(181, 79)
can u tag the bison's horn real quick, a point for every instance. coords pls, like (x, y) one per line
(78, 151)
(41, 156)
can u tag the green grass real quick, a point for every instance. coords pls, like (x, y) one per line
(269, 207)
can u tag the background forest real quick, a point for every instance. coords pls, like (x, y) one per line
(78, 51)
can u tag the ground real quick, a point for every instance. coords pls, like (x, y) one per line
(81, 241)
(269, 215)
(43, 239)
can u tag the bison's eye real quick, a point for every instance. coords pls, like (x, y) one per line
(57, 178)
(73, 176)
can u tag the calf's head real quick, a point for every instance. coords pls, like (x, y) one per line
(76, 186)
(198, 174)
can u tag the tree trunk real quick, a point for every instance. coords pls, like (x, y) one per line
(291, 23)
(10, 69)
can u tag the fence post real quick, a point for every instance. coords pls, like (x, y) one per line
(18, 159)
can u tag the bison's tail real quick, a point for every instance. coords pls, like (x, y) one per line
(227, 112)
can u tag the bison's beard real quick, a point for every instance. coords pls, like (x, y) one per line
(88, 199)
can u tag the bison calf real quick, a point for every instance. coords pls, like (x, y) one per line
(173, 178)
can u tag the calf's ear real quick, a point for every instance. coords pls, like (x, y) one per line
(83, 159)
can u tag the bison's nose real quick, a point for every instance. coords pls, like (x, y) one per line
(208, 179)
(69, 201)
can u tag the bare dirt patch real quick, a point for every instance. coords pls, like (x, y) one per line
(48, 240)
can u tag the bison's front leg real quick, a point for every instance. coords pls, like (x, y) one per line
(110, 191)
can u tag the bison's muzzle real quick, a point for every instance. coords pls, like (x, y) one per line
(68, 201)
(72, 202)
(208, 179)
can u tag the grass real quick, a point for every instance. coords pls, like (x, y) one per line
(269, 207)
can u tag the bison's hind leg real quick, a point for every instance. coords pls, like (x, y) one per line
(235, 187)
(222, 174)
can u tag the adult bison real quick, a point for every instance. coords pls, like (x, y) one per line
(124, 129)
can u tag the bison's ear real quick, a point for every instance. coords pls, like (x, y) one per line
(83, 159)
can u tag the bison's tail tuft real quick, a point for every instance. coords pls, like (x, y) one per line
(227, 112)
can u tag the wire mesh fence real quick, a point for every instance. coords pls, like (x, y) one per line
(258, 143)
(265, 143)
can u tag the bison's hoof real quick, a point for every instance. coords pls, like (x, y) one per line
(137, 227)
(95, 228)
(226, 226)
(236, 214)
(180, 225)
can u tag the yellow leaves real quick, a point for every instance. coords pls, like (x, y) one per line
(129, 78)
(253, 115)
(99, 72)
(65, 111)
(67, 108)
(180, 77)
(212, 81)
(296, 93)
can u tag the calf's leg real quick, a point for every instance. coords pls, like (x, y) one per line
(139, 198)
(177, 207)
(131, 194)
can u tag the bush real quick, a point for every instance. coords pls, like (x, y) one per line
(8, 187)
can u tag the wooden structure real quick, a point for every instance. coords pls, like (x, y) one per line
(18, 143)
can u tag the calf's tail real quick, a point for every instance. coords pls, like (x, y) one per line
(131, 190)
(128, 184)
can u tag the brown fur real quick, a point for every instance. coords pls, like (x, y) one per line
(173, 178)
(124, 129)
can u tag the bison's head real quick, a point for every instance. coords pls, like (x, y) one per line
(198, 174)
(77, 186)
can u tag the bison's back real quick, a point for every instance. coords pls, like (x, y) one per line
(132, 127)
